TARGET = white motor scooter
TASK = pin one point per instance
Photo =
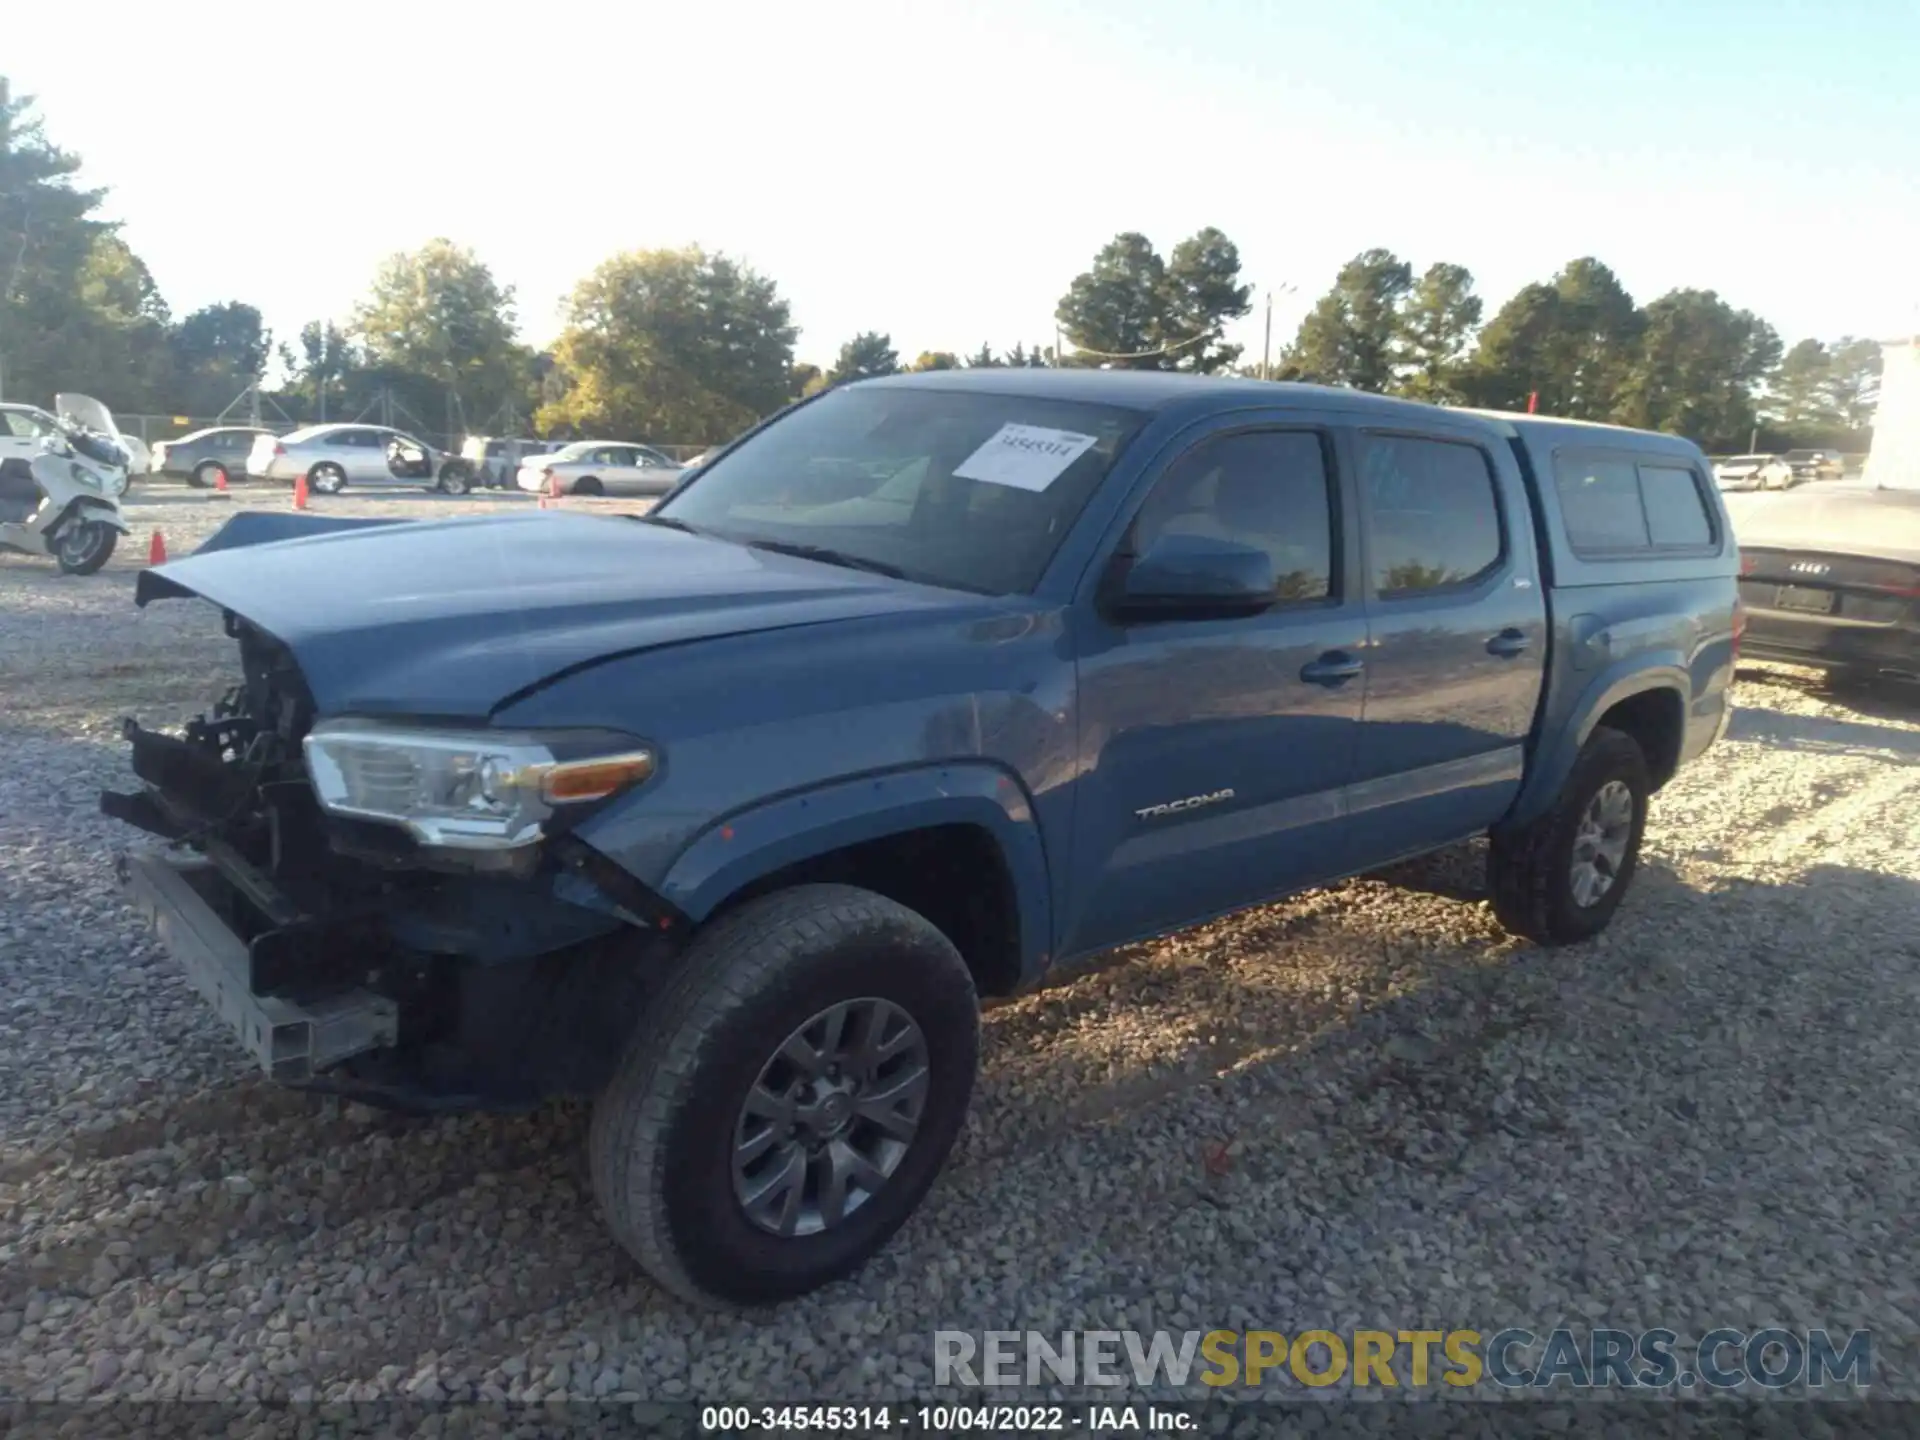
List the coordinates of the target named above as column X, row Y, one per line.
column 64, row 503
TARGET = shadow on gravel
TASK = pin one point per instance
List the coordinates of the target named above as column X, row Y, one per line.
column 1884, row 699
column 1825, row 735
column 1427, row 1060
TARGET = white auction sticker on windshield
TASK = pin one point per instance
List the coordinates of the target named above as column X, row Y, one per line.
column 1029, row 457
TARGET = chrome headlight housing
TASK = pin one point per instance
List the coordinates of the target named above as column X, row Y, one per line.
column 467, row 790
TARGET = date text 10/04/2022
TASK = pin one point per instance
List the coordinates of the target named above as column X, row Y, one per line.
column 947, row 1419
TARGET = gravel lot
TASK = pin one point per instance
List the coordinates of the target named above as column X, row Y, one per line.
column 1364, row 1107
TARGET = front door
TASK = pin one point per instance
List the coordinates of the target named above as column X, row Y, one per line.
column 1215, row 752
column 1458, row 640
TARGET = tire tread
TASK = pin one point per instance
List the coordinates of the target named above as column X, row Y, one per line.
column 744, row 954
column 1521, row 865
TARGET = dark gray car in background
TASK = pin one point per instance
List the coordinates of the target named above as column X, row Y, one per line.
column 202, row 457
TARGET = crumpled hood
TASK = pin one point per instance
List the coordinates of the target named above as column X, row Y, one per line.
column 450, row 618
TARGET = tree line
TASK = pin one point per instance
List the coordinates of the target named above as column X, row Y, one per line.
column 689, row 346
column 1576, row 345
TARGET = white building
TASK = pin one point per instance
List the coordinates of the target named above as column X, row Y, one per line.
column 1894, row 460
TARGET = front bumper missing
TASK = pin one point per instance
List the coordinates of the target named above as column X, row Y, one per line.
column 292, row 1041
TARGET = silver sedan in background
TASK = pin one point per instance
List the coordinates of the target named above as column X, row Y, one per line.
column 601, row 467
column 333, row 457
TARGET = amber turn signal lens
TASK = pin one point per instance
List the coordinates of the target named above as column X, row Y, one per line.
column 594, row 779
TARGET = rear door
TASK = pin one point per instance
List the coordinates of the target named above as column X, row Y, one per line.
column 622, row 473
column 1457, row 647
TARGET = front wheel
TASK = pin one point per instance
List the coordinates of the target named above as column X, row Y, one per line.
column 454, row 482
column 789, row 1097
column 1559, row 879
column 84, row 546
column 327, row 479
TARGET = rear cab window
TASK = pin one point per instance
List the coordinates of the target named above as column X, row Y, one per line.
column 1616, row 505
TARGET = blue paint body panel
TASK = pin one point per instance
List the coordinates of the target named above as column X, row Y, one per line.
column 1133, row 777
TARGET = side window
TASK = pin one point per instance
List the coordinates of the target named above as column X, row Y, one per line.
column 1267, row 488
column 1676, row 514
column 1433, row 516
column 1600, row 503
column 23, row 425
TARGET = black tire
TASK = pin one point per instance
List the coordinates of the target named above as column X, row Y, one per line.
column 1851, row 679
column 1530, row 868
column 326, row 479
column 93, row 547
column 454, row 481
column 208, row 474
column 589, row 486
column 663, row 1133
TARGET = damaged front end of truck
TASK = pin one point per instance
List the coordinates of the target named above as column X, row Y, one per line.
column 387, row 908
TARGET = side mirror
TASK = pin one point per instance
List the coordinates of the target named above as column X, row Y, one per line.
column 1196, row 575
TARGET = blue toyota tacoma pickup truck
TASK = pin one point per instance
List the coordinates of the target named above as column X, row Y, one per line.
column 727, row 815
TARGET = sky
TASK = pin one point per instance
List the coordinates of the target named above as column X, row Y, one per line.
column 941, row 169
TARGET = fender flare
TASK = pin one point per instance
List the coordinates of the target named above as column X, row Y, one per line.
column 737, row 849
column 1554, row 760
column 86, row 506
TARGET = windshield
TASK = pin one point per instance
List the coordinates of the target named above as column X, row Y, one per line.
column 949, row 487
column 87, row 411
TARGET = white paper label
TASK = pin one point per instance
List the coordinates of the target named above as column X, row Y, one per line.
column 1029, row 457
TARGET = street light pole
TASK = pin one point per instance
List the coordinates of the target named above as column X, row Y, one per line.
column 1266, row 342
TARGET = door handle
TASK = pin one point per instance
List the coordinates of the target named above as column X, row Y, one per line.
column 1507, row 643
column 1336, row 667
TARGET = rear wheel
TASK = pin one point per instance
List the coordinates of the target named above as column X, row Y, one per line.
column 589, row 486
column 789, row 1097
column 208, row 475
column 327, row 479
column 1559, row 879
column 1851, row 677
column 454, row 481
column 84, row 546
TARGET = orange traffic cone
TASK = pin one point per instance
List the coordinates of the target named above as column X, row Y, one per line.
column 157, row 549
column 220, row 481
column 299, row 492
column 551, row 499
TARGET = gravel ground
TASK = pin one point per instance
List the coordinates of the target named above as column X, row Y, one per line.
column 1364, row 1107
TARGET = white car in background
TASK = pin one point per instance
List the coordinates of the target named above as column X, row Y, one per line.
column 601, row 467
column 1753, row 472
